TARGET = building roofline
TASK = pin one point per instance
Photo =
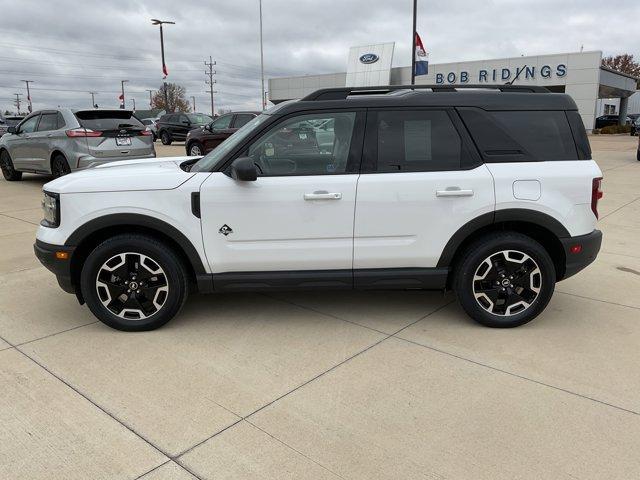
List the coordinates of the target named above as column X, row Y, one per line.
column 608, row 69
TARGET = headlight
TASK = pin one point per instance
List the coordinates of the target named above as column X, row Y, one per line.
column 51, row 210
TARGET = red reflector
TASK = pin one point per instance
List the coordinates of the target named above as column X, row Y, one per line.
column 575, row 248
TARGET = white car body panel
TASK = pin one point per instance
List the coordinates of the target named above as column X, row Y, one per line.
column 401, row 222
column 274, row 227
column 565, row 190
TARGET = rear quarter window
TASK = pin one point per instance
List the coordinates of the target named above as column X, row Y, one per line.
column 519, row 136
column 108, row 119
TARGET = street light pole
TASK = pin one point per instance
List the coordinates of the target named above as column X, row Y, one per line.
column 262, row 97
column 93, row 99
column 413, row 44
column 122, row 82
column 194, row 103
column 165, row 72
column 150, row 98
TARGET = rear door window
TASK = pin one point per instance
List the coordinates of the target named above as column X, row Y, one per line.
column 105, row 120
column 414, row 141
column 48, row 121
column 519, row 136
column 241, row 119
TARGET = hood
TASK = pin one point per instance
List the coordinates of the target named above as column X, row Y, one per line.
column 127, row 175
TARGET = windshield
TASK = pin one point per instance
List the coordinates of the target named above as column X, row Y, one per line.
column 206, row 163
column 199, row 118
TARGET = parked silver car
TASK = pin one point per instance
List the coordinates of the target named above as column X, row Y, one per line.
column 60, row 141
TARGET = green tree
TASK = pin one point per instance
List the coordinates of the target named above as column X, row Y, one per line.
column 623, row 63
column 176, row 98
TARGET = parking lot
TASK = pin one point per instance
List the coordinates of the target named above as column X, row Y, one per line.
column 352, row 385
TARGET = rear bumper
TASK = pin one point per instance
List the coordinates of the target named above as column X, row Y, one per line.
column 590, row 246
column 46, row 253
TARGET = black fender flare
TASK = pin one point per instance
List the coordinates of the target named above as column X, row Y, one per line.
column 499, row 216
column 139, row 220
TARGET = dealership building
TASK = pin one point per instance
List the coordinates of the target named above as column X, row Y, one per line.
column 577, row 74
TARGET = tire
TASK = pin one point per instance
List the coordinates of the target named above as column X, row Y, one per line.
column 525, row 273
column 59, row 166
column 8, row 171
column 110, row 270
column 165, row 138
column 195, row 149
column 638, row 155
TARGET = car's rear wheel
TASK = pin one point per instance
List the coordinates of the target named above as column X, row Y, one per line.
column 59, row 166
column 504, row 280
column 8, row 171
column 195, row 149
column 165, row 138
column 638, row 155
column 134, row 283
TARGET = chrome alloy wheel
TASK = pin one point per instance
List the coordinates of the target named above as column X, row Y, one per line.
column 132, row 286
column 507, row 282
column 195, row 150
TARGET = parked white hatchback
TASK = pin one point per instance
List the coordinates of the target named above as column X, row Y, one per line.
column 489, row 191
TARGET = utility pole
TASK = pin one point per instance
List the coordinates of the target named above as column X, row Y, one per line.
column 413, row 43
column 211, row 72
column 122, row 82
column 262, row 96
column 17, row 102
column 29, row 95
column 194, row 103
column 165, row 72
column 93, row 99
column 134, row 104
column 150, row 98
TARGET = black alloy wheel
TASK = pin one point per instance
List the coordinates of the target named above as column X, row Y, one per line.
column 59, row 166
column 8, row 171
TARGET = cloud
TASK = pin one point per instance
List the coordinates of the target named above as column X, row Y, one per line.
column 70, row 48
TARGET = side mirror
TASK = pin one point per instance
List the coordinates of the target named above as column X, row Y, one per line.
column 186, row 122
column 244, row 170
column 208, row 126
column 13, row 130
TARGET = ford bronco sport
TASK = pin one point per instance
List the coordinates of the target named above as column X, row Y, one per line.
column 489, row 191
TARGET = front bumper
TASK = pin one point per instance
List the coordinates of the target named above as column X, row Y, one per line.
column 590, row 246
column 61, row 267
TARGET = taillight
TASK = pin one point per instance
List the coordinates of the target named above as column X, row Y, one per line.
column 146, row 132
column 83, row 132
column 596, row 194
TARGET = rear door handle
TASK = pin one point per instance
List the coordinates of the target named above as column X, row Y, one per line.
column 322, row 195
column 454, row 192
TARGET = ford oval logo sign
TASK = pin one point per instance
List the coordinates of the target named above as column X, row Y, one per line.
column 369, row 58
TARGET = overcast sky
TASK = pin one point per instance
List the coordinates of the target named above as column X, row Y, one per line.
column 71, row 47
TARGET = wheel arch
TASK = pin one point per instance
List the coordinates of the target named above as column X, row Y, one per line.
column 543, row 228
column 54, row 153
column 85, row 238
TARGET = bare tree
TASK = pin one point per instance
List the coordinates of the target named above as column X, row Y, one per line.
column 623, row 63
column 176, row 99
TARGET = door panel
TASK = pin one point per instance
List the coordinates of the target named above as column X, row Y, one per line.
column 21, row 147
column 406, row 219
column 270, row 225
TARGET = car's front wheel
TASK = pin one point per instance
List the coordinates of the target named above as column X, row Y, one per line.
column 134, row 283
column 504, row 279
column 165, row 138
column 195, row 149
column 8, row 171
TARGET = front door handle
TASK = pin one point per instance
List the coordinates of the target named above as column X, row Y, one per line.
column 454, row 192
column 322, row 195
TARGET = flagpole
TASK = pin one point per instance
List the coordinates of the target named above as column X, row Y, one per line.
column 413, row 44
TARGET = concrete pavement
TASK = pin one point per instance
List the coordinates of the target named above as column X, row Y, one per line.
column 355, row 385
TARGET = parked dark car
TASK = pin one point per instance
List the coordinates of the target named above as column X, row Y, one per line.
column 635, row 123
column 10, row 121
column 607, row 120
column 176, row 126
column 202, row 140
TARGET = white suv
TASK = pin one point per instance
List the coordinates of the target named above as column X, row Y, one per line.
column 489, row 191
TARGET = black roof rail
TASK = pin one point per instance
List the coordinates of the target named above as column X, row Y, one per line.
column 341, row 93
